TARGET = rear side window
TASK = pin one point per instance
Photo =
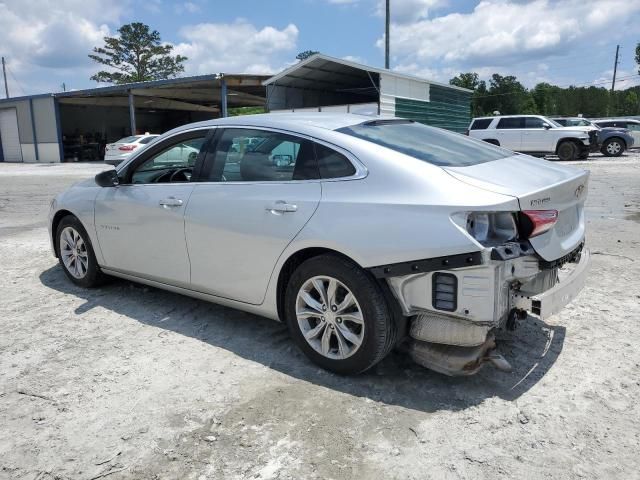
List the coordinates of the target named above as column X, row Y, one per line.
column 511, row 122
column 481, row 124
column 432, row 145
column 248, row 155
column 562, row 121
column 333, row 164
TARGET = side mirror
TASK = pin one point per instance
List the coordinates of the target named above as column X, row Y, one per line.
column 546, row 126
column 108, row 178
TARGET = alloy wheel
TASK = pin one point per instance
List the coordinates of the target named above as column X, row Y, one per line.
column 613, row 148
column 74, row 253
column 330, row 317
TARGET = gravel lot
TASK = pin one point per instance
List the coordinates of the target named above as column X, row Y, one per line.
column 132, row 382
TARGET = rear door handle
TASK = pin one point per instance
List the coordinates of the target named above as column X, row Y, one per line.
column 171, row 202
column 281, row 207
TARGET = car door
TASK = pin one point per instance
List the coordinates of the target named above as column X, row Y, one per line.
column 140, row 222
column 509, row 132
column 259, row 187
column 634, row 129
column 535, row 137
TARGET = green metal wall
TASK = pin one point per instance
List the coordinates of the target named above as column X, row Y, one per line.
column 448, row 108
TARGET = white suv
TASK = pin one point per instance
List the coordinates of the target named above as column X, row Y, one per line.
column 535, row 135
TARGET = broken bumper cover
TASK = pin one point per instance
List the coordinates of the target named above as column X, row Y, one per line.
column 551, row 301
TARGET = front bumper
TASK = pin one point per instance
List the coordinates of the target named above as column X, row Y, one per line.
column 551, row 301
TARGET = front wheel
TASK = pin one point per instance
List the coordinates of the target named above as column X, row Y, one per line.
column 567, row 151
column 75, row 253
column 612, row 147
column 338, row 315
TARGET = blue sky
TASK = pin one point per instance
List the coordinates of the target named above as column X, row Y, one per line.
column 46, row 42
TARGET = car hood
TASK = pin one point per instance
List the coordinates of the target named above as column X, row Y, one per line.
column 575, row 129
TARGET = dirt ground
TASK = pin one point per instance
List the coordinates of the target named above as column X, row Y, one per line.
column 131, row 382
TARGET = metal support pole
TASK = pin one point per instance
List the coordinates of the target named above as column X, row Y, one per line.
column 33, row 129
column 132, row 113
column 4, row 74
column 223, row 96
column 387, row 34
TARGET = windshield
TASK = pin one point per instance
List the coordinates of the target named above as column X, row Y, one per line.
column 578, row 122
column 432, row 145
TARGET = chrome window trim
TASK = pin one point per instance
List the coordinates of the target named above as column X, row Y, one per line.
column 131, row 158
column 361, row 170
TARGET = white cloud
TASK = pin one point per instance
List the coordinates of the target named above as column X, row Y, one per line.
column 407, row 11
column 499, row 31
column 237, row 47
column 45, row 38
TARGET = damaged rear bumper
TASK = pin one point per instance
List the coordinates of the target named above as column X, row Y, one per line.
column 486, row 296
column 551, row 301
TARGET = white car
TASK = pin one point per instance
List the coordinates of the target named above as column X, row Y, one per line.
column 536, row 135
column 116, row 152
column 359, row 232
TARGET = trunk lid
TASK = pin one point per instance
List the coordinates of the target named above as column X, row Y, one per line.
column 538, row 185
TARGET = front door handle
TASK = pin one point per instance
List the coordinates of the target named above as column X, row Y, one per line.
column 281, row 206
column 171, row 202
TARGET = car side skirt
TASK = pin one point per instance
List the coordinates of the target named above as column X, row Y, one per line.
column 246, row 307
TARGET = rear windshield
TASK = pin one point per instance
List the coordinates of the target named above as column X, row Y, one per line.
column 128, row 139
column 432, row 145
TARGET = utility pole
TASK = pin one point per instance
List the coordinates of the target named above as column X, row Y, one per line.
column 615, row 69
column 4, row 74
column 64, row 87
column 386, row 34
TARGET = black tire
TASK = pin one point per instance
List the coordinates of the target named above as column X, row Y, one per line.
column 613, row 147
column 380, row 330
column 93, row 276
column 583, row 155
column 567, row 150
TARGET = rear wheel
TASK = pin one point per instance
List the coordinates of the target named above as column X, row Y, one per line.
column 612, row 147
column 75, row 253
column 567, row 151
column 338, row 315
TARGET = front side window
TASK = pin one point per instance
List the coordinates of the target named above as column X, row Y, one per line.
column 172, row 164
column 249, row 155
column 429, row 144
column 510, row 122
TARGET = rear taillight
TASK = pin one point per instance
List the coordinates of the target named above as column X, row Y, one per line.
column 127, row 148
column 541, row 221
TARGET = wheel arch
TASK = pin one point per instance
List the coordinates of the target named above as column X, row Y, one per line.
column 616, row 137
column 290, row 265
column 57, row 218
column 300, row 256
column 576, row 141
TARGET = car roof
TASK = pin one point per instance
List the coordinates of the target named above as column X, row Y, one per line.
column 506, row 116
column 617, row 120
column 296, row 121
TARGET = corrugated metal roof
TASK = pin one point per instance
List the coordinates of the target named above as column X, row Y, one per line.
column 337, row 72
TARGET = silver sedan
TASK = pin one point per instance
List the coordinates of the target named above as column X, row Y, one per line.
column 361, row 233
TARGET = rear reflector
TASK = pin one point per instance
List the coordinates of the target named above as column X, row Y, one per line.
column 444, row 292
column 127, row 148
column 541, row 220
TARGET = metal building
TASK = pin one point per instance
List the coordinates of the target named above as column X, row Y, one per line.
column 323, row 83
column 77, row 125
